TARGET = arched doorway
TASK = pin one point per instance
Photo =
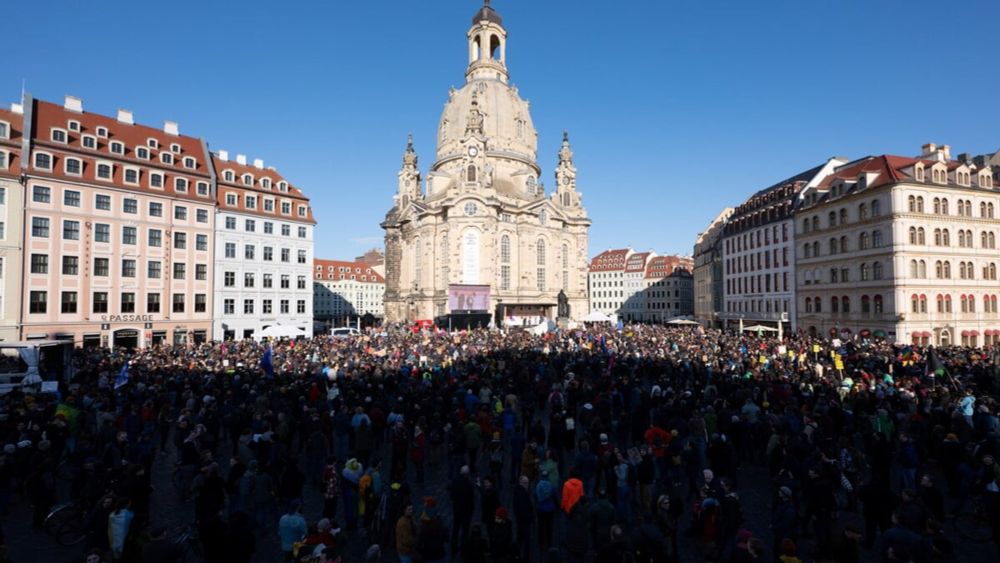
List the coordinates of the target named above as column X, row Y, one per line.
column 126, row 338
column 944, row 338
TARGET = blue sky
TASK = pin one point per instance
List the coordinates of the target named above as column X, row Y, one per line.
column 675, row 108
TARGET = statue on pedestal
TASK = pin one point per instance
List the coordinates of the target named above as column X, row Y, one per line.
column 563, row 307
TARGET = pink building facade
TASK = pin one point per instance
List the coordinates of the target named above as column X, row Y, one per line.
column 119, row 230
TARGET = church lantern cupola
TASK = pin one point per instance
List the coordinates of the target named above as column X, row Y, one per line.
column 487, row 46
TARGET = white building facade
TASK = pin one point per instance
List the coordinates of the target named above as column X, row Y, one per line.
column 708, row 271
column 264, row 251
column 345, row 291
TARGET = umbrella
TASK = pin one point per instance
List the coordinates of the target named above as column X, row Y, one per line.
column 597, row 317
column 759, row 328
column 682, row 322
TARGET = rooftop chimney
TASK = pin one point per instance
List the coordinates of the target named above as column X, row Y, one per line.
column 72, row 103
column 241, row 159
column 258, row 163
column 125, row 116
column 946, row 152
column 171, row 128
column 224, row 155
column 928, row 149
column 17, row 108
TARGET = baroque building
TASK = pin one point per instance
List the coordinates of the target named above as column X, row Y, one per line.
column 482, row 217
column 707, row 273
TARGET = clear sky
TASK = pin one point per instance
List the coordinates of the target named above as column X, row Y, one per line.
column 675, row 108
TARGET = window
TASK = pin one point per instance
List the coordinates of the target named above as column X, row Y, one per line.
column 269, row 205
column 41, row 194
column 131, row 176
column 180, row 270
column 876, row 208
column 201, row 242
column 74, row 167
column 285, row 280
column 302, row 257
column 104, row 171
column 266, row 307
column 178, row 301
column 180, row 240
column 117, row 148
column 286, row 230
column 248, row 306
column 155, row 209
column 251, row 202
column 100, row 302
column 102, row 132
column 249, row 252
column 40, row 227
column 70, row 265
column 201, row 216
column 248, row 179
column 43, row 161
column 203, row 188
column 268, row 254
column 248, row 279
column 250, row 225
column 71, row 230
column 286, row 208
column 142, row 152
column 38, row 302
column 230, row 250
column 302, row 232
column 201, row 272
column 130, row 206
column 154, row 270
column 129, row 235
column 152, row 302
column 180, row 184
column 229, row 279
column 302, row 213
column 283, row 306
column 128, row 268
column 103, row 202
column 876, row 239
column 231, row 223
column 156, row 180
column 300, row 306
column 128, row 302
column 4, row 130
column 228, row 306
column 180, row 213
column 268, row 281
column 155, row 237
column 166, row 158
column 232, row 200
column 39, row 263
column 71, row 198
column 101, row 267
column 302, row 282
column 286, row 255
column 189, row 163
column 200, row 302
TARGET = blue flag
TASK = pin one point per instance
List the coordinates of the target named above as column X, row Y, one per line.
column 267, row 364
column 122, row 378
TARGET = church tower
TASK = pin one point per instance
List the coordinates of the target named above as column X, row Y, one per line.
column 481, row 224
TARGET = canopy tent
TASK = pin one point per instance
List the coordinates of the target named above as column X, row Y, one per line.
column 682, row 322
column 759, row 328
column 596, row 317
column 281, row 331
column 543, row 327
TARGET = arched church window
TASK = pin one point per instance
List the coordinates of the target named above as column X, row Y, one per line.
column 505, row 249
column 531, row 185
column 470, row 174
column 540, row 251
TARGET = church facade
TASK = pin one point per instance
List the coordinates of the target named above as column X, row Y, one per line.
column 481, row 222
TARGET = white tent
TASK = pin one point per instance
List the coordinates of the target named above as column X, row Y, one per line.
column 543, row 327
column 682, row 322
column 281, row 331
column 760, row 328
column 596, row 317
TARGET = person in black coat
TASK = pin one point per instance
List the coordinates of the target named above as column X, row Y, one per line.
column 502, row 548
column 463, row 501
column 524, row 515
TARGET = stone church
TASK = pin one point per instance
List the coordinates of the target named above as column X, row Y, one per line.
column 481, row 219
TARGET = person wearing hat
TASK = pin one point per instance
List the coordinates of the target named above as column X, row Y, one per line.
column 502, row 547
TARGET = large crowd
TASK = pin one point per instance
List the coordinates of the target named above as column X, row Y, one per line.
column 602, row 444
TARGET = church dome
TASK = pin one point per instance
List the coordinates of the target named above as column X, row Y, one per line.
column 507, row 125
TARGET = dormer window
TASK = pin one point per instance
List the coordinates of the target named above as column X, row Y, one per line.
column 190, row 163
column 153, row 143
column 265, row 183
column 117, row 148
column 175, row 148
column 104, row 171
column 102, row 132
column 918, row 172
column 89, row 142
column 59, row 135
column 43, row 161
column 283, row 186
column 4, row 130
column 156, row 180
column 73, row 125
column 203, row 188
column 248, row 179
column 302, row 211
column 74, row 167
column 227, row 175
column 181, row 184
column 166, row 158
column 142, row 152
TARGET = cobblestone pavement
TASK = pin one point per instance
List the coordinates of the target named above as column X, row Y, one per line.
column 27, row 545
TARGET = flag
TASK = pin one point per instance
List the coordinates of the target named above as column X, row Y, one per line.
column 604, row 345
column 934, row 366
column 122, row 378
column 267, row 364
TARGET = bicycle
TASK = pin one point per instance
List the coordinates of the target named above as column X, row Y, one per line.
column 973, row 523
column 67, row 523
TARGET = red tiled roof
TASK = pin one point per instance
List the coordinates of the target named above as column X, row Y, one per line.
column 294, row 194
column 636, row 262
column 609, row 260
column 891, row 169
column 322, row 271
column 663, row 266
